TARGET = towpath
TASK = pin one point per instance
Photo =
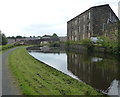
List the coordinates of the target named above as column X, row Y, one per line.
column 8, row 84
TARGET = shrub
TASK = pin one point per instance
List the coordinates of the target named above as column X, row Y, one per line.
column 4, row 39
column 108, row 43
column 4, row 47
column 54, row 44
column 72, row 42
column 88, row 43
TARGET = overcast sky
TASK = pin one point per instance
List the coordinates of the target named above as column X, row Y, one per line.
column 40, row 17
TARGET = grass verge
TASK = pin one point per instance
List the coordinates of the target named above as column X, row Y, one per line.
column 36, row 78
column 4, row 48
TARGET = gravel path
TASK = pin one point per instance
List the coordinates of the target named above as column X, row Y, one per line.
column 9, row 86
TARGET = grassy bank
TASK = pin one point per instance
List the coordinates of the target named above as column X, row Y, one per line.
column 36, row 78
column 4, row 48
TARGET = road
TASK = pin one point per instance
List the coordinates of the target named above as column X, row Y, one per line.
column 7, row 83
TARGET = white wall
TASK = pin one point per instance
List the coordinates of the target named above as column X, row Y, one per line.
column 119, row 10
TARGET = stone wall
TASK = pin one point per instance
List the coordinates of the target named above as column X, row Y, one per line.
column 102, row 16
column 76, row 47
column 80, row 27
column 83, row 48
column 111, row 31
column 91, row 23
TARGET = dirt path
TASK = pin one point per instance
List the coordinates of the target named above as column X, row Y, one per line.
column 8, row 82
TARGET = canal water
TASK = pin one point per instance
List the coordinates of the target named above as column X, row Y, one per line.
column 98, row 70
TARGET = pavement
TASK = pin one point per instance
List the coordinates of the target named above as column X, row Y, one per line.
column 8, row 84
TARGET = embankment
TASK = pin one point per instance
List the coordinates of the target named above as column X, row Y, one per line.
column 37, row 78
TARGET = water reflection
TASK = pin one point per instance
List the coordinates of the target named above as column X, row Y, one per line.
column 96, row 71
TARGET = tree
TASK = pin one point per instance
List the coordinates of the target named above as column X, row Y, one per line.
column 39, row 37
column 13, row 37
column 18, row 36
column 33, row 36
column 4, row 39
column 54, row 35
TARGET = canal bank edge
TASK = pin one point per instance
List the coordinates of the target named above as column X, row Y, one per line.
column 79, row 48
column 84, row 48
column 36, row 78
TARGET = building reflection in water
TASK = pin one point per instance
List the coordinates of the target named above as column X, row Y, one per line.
column 119, row 88
column 97, row 71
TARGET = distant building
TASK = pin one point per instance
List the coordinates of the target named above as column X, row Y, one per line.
column 119, row 10
column 63, row 39
column 11, row 41
column 95, row 21
column 27, row 40
column 48, row 39
column 32, row 40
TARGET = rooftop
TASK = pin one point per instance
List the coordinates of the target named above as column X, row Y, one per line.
column 94, row 7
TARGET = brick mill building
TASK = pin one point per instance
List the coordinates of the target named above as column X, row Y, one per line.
column 94, row 22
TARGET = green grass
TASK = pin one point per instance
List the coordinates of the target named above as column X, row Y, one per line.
column 4, row 48
column 36, row 78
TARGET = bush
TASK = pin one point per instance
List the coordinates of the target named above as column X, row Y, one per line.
column 108, row 43
column 104, row 41
column 4, row 39
column 54, row 44
column 88, row 43
column 6, row 47
column 72, row 42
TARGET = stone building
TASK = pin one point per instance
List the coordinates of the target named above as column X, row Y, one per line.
column 91, row 23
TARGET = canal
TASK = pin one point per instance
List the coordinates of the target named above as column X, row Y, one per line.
column 100, row 71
